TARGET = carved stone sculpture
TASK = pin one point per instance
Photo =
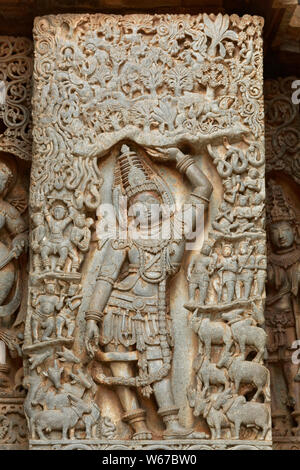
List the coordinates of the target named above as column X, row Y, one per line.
column 148, row 138
column 15, row 147
column 282, row 306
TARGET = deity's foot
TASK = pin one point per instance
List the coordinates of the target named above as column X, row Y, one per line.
column 176, row 431
column 46, row 338
column 142, row 435
column 136, row 419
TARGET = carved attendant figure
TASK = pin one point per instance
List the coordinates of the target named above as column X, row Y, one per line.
column 80, row 237
column 246, row 267
column 227, row 271
column 199, row 272
column 12, row 222
column 37, row 236
column 46, row 306
column 130, row 304
column 57, row 242
column 283, row 308
column 261, row 267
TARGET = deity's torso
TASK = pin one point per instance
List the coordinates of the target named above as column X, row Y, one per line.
column 147, row 267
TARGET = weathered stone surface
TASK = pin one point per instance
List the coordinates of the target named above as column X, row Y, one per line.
column 149, row 110
column 15, row 95
column 15, row 149
column 282, row 306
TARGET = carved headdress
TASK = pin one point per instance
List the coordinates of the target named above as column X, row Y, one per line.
column 134, row 175
column 279, row 207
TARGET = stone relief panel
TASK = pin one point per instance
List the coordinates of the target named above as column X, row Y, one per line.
column 15, row 96
column 282, row 304
column 282, row 128
column 15, row 153
column 135, row 333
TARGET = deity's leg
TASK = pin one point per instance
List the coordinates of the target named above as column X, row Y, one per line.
column 71, row 328
column 60, row 321
column 260, row 284
column 192, row 291
column 230, row 290
column 35, row 326
column 63, row 253
column 45, row 252
column 49, row 324
column 167, row 408
column 134, row 415
column 36, row 262
column 248, row 281
column 75, row 259
column 203, row 287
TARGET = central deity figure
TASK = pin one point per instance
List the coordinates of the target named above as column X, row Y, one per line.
column 129, row 309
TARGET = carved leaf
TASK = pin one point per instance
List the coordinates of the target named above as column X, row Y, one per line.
column 165, row 113
column 218, row 31
column 180, row 78
column 153, row 78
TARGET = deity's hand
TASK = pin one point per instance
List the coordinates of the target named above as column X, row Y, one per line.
column 174, row 154
column 91, row 336
column 35, row 247
column 19, row 245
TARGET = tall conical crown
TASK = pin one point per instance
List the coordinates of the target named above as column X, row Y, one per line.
column 278, row 206
column 133, row 175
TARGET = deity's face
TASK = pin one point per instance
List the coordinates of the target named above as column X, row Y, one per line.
column 80, row 221
column 227, row 251
column 90, row 48
column 37, row 219
column 227, row 185
column 68, row 53
column 59, row 212
column 243, row 248
column 205, row 250
column 50, row 288
column 253, row 173
column 72, row 289
column 3, row 181
column 146, row 207
column 282, row 235
column 243, row 201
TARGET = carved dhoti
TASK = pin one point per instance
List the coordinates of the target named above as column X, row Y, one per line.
column 134, row 329
column 278, row 323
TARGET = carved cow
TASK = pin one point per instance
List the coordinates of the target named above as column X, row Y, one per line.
column 211, row 332
column 246, row 334
column 249, row 372
column 210, row 409
column 60, row 420
column 89, row 421
column 208, row 374
column 249, row 414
